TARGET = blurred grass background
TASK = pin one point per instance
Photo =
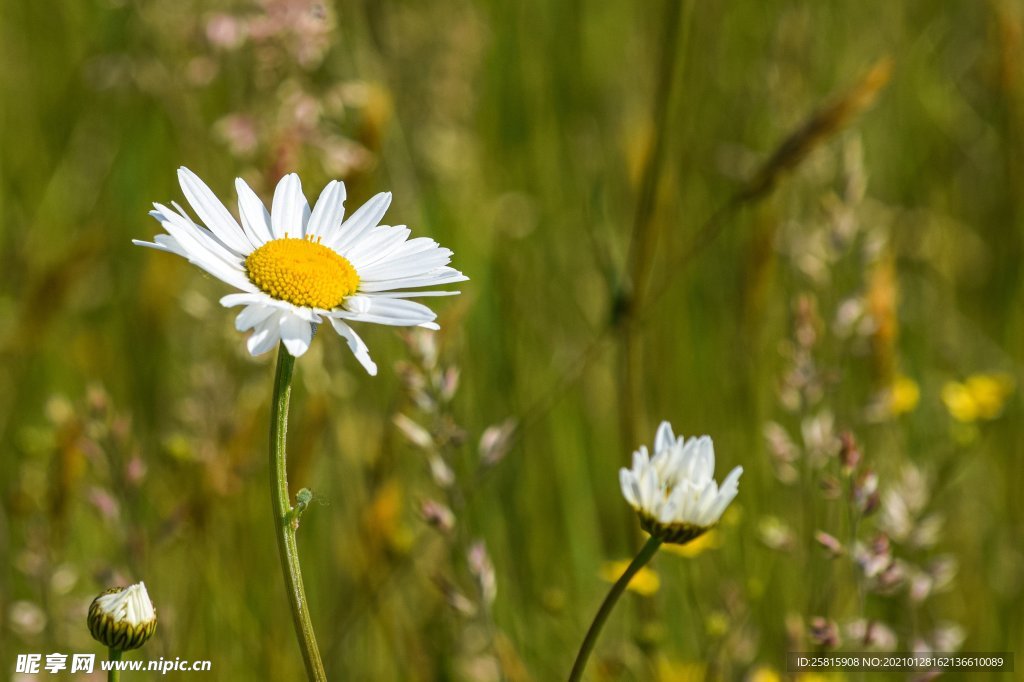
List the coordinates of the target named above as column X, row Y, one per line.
column 857, row 294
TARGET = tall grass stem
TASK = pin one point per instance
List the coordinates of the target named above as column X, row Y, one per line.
column 644, row 235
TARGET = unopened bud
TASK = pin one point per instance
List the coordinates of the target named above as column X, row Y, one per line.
column 122, row 618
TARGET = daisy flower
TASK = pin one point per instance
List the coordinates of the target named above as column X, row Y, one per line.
column 295, row 268
column 674, row 492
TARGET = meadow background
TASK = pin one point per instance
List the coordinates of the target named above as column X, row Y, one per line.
column 793, row 226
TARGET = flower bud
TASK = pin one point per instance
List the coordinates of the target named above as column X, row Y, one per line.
column 122, row 618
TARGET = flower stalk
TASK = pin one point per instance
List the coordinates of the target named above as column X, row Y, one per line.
column 285, row 518
column 114, row 675
column 645, row 554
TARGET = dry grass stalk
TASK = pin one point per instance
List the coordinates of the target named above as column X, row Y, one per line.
column 820, row 127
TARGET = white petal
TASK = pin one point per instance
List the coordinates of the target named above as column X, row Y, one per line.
column 414, row 294
column 296, row 334
column 664, row 439
column 260, row 298
column 436, row 277
column 328, row 211
column 265, row 336
column 356, row 344
column 726, row 494
column 366, row 218
column 649, row 491
column 231, row 300
column 380, row 243
column 200, row 254
column 194, row 234
column 670, row 510
column 289, row 212
column 409, row 265
column 170, row 246
column 702, row 511
column 687, row 500
column 640, row 459
column 212, row 212
column 733, row 479
column 688, row 460
column 629, row 488
column 675, row 471
column 390, row 311
column 166, row 241
column 255, row 217
column 253, row 315
column 705, row 464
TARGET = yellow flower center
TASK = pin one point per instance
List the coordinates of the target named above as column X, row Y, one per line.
column 302, row 272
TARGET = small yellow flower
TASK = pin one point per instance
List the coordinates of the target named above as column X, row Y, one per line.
column 645, row 583
column 675, row 670
column 959, row 402
column 717, row 623
column 990, row 392
column 981, row 396
column 383, row 516
column 764, row 673
column 710, row 540
column 904, row 394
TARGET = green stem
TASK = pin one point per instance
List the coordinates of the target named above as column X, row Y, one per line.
column 284, row 522
column 114, row 675
column 641, row 559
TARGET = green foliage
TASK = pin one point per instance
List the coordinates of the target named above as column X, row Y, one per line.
column 133, row 423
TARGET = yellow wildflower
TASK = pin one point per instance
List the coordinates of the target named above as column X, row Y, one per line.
column 383, row 516
column 675, row 670
column 717, row 623
column 710, row 540
column 904, row 395
column 990, row 392
column 645, row 583
column 981, row 396
column 764, row 673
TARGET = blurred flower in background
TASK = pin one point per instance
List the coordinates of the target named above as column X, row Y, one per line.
column 980, row 397
column 645, row 582
column 504, row 129
column 904, row 395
